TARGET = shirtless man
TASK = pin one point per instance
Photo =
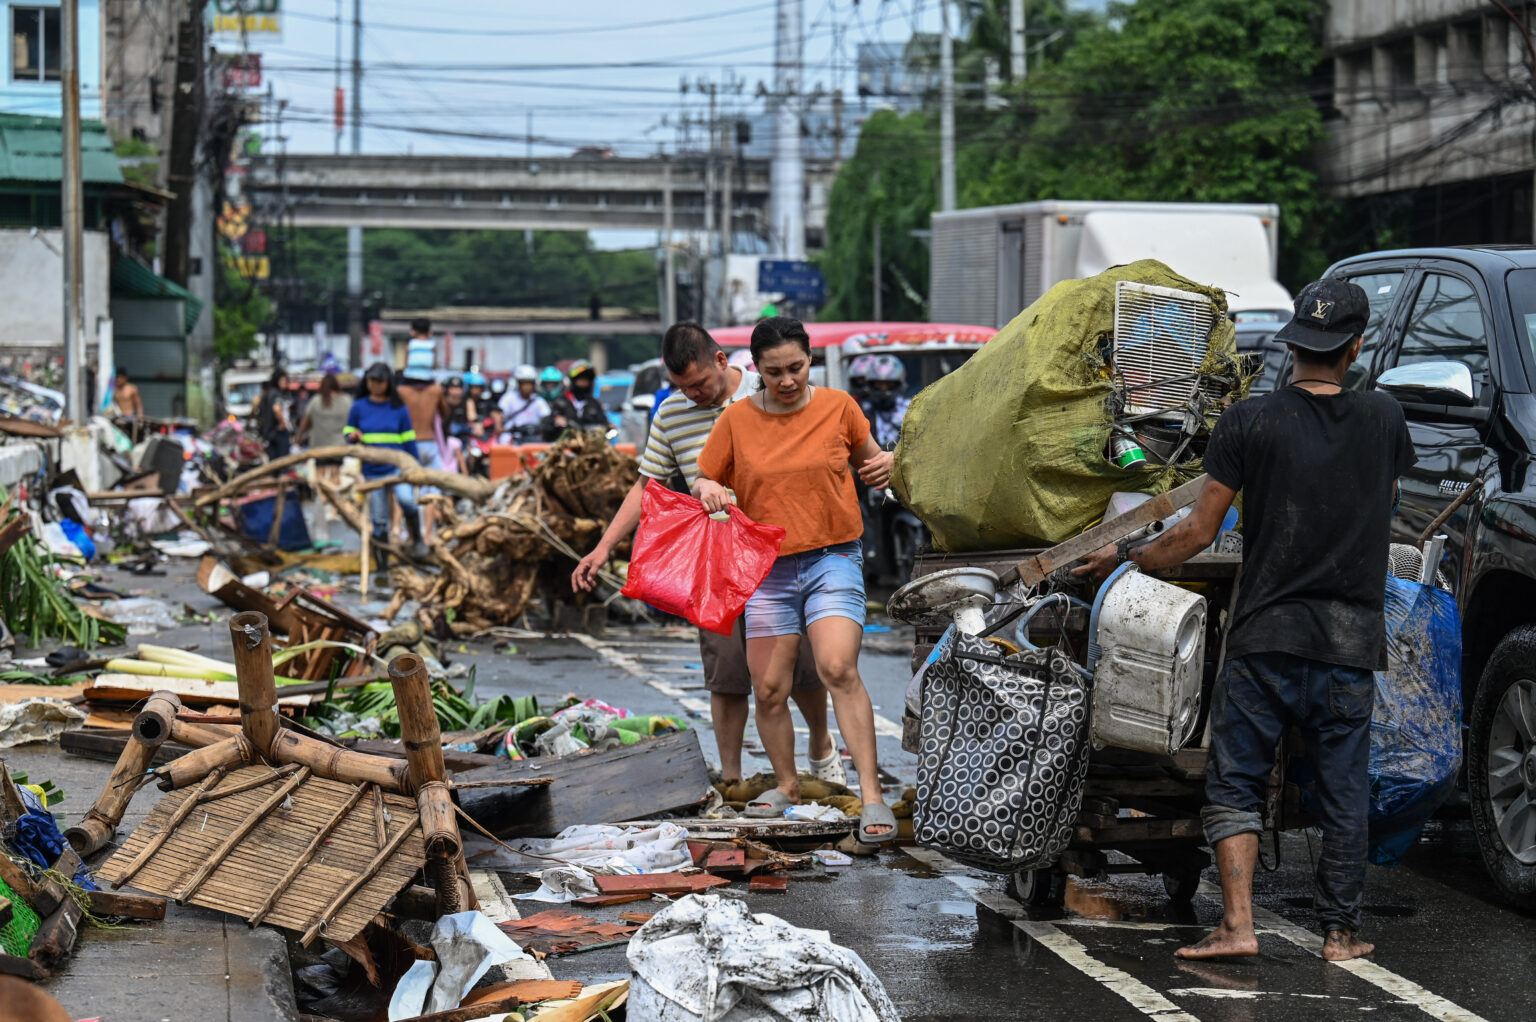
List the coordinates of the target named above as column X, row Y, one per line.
column 129, row 402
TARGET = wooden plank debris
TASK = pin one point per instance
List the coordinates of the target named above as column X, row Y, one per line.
column 660, row 775
column 648, row 883
column 769, row 884
column 181, row 834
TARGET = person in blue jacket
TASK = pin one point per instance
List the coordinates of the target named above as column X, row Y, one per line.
column 380, row 419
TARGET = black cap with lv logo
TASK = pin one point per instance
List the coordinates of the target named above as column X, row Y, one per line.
column 1329, row 313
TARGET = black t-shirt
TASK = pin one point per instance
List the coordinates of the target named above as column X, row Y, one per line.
column 1317, row 473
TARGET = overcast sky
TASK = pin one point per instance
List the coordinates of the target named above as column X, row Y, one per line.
column 462, row 76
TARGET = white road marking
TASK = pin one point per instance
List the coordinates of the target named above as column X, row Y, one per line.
column 887, row 727
column 498, row 907
column 1221, row 993
column 1405, row 990
column 1130, row 989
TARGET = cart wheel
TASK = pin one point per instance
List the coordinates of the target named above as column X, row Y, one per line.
column 1181, row 883
column 1037, row 888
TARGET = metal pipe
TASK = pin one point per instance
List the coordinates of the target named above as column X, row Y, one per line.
column 355, row 233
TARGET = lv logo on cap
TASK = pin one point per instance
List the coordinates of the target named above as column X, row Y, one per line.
column 1322, row 310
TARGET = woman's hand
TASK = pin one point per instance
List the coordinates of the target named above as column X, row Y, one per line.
column 876, row 471
column 714, row 496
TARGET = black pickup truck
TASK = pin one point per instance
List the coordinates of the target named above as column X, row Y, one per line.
column 1452, row 335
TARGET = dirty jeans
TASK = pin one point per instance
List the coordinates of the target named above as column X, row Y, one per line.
column 1257, row 697
column 378, row 506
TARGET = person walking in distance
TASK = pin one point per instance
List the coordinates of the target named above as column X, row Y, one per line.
column 1309, row 626
column 324, row 419
column 378, row 418
column 423, row 397
column 786, row 452
column 705, row 385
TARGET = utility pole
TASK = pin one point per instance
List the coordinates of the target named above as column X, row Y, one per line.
column 355, row 233
column 726, row 226
column 946, row 114
column 181, row 171
column 1016, row 49
column 338, row 99
column 787, row 172
column 669, row 275
column 73, row 203
column 709, row 205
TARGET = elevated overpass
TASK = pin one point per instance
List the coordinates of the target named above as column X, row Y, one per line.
column 516, row 193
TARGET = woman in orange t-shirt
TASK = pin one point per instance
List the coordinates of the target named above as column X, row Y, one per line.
column 786, row 453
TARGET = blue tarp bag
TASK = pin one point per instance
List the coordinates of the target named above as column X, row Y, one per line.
column 1416, row 725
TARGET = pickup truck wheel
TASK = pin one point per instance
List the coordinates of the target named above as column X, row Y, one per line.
column 1501, row 766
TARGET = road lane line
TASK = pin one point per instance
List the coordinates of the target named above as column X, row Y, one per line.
column 1130, row 989
column 1405, row 990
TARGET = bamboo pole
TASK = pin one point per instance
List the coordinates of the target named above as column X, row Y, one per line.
column 182, row 812
column 365, row 559
column 252, row 643
column 219, row 854
column 423, row 741
column 358, row 881
column 199, row 736
column 232, row 752
column 150, row 728
column 309, row 852
column 153, row 724
column 338, row 764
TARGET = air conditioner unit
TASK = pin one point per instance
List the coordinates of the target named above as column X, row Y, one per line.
column 1161, row 339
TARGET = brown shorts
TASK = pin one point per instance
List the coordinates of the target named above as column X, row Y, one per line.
column 725, row 663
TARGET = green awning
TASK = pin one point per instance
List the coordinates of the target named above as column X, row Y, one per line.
column 130, row 277
column 31, row 149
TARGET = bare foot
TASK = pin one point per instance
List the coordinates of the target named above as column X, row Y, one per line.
column 1223, row 942
column 1343, row 945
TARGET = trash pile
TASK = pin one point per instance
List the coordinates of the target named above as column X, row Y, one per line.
column 497, row 562
column 1104, row 384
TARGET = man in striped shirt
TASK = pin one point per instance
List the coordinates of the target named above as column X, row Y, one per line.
column 703, row 384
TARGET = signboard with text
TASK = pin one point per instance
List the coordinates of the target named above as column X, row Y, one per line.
column 233, row 23
column 797, row 281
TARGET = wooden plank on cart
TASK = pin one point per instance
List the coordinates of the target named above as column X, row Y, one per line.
column 1033, row 570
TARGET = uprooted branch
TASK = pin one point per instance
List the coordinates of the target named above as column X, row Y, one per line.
column 472, row 487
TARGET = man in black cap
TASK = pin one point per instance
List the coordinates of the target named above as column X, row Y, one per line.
column 1318, row 467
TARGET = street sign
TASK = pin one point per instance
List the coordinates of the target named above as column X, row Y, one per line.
column 796, row 281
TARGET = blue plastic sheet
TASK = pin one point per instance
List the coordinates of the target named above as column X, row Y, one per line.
column 37, row 837
column 1416, row 726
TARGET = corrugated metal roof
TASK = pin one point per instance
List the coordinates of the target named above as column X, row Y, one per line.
column 134, row 278
column 31, row 149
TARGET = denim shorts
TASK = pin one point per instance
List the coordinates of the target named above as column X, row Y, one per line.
column 803, row 588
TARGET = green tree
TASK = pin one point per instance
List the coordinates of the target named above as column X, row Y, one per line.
column 1177, row 101
column 889, row 182
column 240, row 312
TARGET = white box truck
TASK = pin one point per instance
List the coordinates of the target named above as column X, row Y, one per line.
column 991, row 262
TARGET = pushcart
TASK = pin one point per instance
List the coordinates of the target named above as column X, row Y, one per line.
column 1144, row 806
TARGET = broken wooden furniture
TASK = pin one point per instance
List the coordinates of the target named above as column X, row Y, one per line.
column 151, row 728
column 289, row 828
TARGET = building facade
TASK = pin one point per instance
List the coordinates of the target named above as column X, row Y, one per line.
column 140, row 71
column 1433, row 119
column 33, row 60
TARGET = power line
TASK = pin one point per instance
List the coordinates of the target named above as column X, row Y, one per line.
column 520, row 32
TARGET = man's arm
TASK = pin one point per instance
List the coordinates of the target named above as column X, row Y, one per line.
column 624, row 522
column 1197, row 531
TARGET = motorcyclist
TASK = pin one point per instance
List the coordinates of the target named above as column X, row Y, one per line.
column 858, row 378
column 474, row 400
column 523, row 410
column 886, row 405
column 551, row 384
column 579, row 407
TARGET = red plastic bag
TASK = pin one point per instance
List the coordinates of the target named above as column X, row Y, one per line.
column 687, row 563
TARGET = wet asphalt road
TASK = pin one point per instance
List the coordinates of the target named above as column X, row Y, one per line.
column 949, row 945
